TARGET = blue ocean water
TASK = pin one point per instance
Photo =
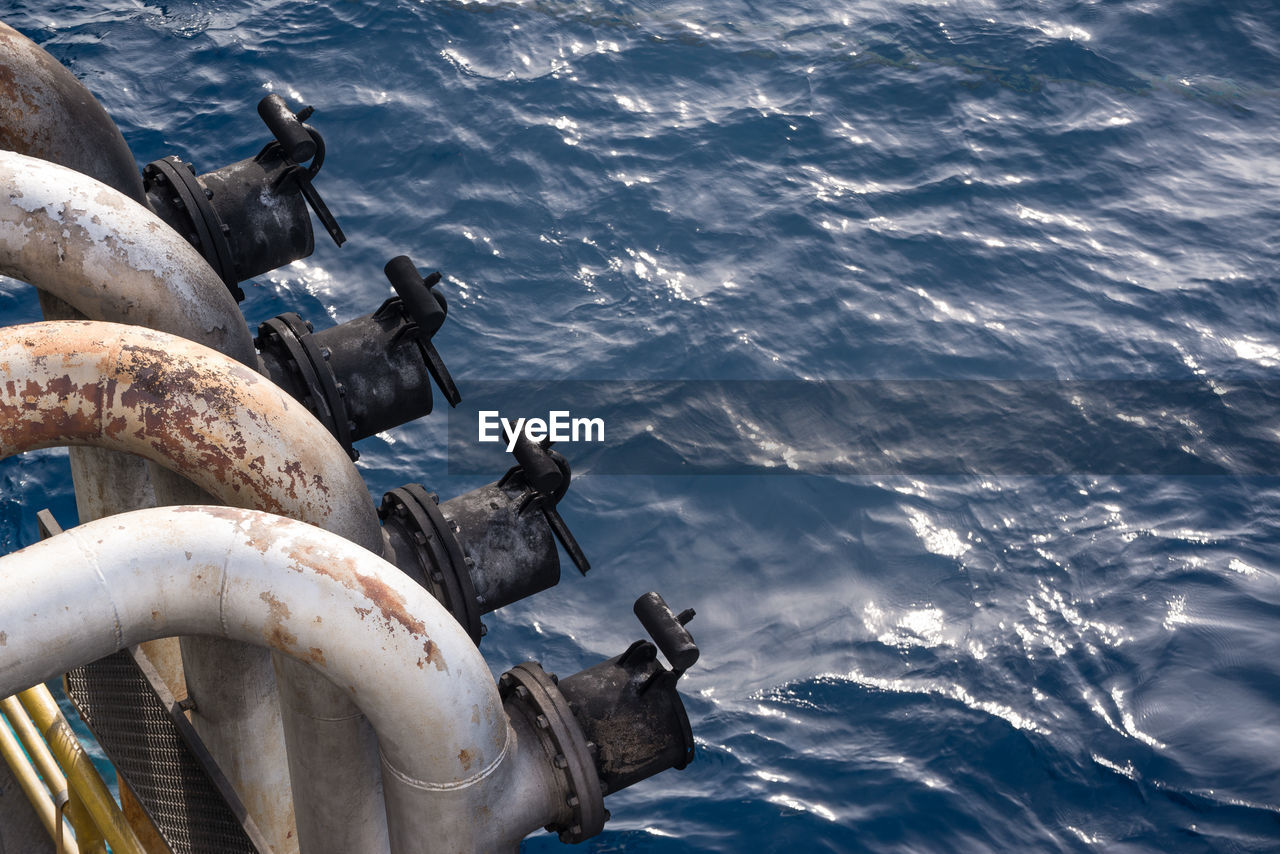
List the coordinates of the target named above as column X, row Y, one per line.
column 730, row 190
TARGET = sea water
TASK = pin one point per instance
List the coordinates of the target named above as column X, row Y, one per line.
column 958, row 639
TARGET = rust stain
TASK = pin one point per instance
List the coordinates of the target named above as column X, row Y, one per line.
column 4, row 639
column 346, row 572
column 316, row 656
column 465, row 757
column 35, row 415
column 275, row 634
column 155, row 616
column 433, row 655
column 390, row 603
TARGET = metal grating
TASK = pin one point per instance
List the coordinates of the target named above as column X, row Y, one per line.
column 142, row 738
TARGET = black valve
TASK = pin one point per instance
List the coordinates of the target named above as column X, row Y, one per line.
column 545, row 475
column 612, row 725
column 486, row 548
column 249, row 217
column 629, row 705
column 366, row 375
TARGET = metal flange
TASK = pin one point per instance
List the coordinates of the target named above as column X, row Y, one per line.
column 191, row 198
column 325, row 396
column 528, row 686
column 441, row 554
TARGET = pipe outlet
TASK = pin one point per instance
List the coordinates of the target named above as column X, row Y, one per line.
column 489, row 547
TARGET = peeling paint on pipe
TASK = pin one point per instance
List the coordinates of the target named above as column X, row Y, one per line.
column 244, row 441
column 450, row 750
column 189, row 408
column 110, row 258
column 79, row 243
column 91, row 251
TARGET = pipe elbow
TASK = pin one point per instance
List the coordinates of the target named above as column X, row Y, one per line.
column 112, row 259
column 273, row 582
column 49, row 114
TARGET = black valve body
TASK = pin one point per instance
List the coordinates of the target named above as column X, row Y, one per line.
column 386, row 379
column 629, row 708
column 268, row 224
column 512, row 550
column 365, row 372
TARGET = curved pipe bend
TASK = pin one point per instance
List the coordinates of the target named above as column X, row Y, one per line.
column 109, row 257
column 243, row 440
column 191, row 409
column 266, row 580
column 309, row 594
column 49, row 114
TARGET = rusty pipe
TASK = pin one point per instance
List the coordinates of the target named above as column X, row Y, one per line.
column 100, row 254
column 238, row 437
column 110, row 258
column 49, row 114
column 448, row 746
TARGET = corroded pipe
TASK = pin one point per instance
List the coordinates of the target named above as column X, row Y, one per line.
column 238, row 437
column 51, row 115
column 110, row 258
column 107, row 257
column 79, row 243
column 450, row 751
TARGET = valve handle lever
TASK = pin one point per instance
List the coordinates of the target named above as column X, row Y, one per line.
column 547, row 473
column 571, row 547
column 668, row 631
column 427, row 309
column 287, row 128
column 299, row 142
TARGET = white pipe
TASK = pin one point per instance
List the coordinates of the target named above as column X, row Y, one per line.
column 100, row 254
column 243, row 440
column 83, row 244
column 382, row 640
column 110, row 258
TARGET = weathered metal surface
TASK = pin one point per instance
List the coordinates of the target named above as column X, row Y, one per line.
column 513, row 554
column 262, row 579
column 46, row 112
column 193, row 410
column 241, row 439
column 111, row 258
column 237, row 711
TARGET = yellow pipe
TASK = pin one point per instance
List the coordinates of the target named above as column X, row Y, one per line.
column 34, row 744
column 22, row 769
column 84, row 778
column 88, row 837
